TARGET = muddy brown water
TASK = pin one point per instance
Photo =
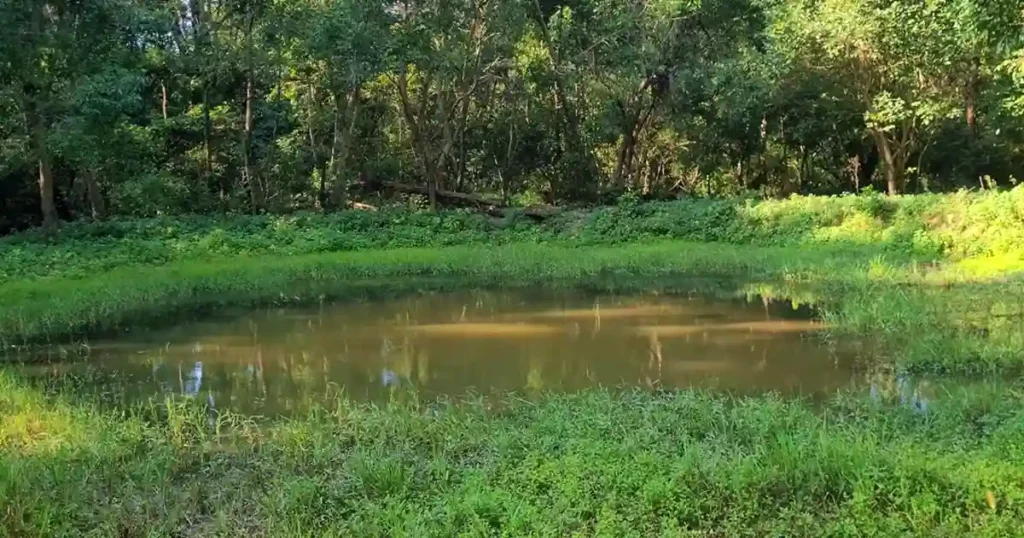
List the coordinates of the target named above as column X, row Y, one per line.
column 273, row 362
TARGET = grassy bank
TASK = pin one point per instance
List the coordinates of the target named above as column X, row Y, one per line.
column 591, row 464
column 928, row 226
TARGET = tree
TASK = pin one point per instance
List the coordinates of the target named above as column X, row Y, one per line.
column 61, row 45
column 898, row 58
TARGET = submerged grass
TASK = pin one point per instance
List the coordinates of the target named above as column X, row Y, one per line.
column 592, row 464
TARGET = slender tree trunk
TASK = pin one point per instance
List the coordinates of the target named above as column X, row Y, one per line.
column 447, row 145
column 49, row 208
column 46, row 190
column 971, row 96
column 318, row 168
column 572, row 139
column 201, row 35
column 248, row 176
column 247, row 173
column 207, row 133
column 37, row 133
column 163, row 98
column 420, row 147
column 95, row 195
column 801, row 178
column 620, row 173
column 895, row 166
column 632, row 130
column 343, row 144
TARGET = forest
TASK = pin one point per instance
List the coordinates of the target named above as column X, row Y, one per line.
column 163, row 107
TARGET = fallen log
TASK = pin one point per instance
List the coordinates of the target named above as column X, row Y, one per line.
column 452, row 198
column 491, row 207
column 361, row 206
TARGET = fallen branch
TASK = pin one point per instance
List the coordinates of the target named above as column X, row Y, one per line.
column 361, row 206
column 454, row 198
column 458, row 199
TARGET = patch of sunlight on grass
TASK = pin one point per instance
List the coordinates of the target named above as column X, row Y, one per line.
column 858, row 228
column 881, row 270
column 38, row 431
column 991, row 266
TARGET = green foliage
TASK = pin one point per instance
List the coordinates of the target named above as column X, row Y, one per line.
column 931, row 226
column 591, row 464
column 279, row 106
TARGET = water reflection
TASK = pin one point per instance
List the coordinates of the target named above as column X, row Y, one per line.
column 902, row 389
column 194, row 380
column 271, row 362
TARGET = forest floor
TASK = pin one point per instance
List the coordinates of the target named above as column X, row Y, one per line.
column 935, row 281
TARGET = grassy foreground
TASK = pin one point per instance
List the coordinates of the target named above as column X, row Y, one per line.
column 592, row 464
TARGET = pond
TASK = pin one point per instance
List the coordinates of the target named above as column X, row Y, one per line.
column 273, row 362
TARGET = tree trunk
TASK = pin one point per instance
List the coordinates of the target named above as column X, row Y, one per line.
column 895, row 164
column 49, row 208
column 37, row 133
column 207, row 133
column 971, row 96
column 247, row 174
column 248, row 178
column 318, row 168
column 46, row 195
column 571, row 136
column 621, row 162
column 95, row 195
column 420, row 147
column 163, row 98
column 202, row 36
column 343, row 144
column 446, row 159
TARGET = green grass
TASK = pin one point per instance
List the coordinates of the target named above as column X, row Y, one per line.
column 928, row 226
column 592, row 464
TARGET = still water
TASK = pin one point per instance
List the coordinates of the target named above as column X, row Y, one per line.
column 273, row 362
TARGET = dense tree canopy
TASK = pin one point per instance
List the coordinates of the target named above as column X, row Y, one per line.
column 142, row 107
